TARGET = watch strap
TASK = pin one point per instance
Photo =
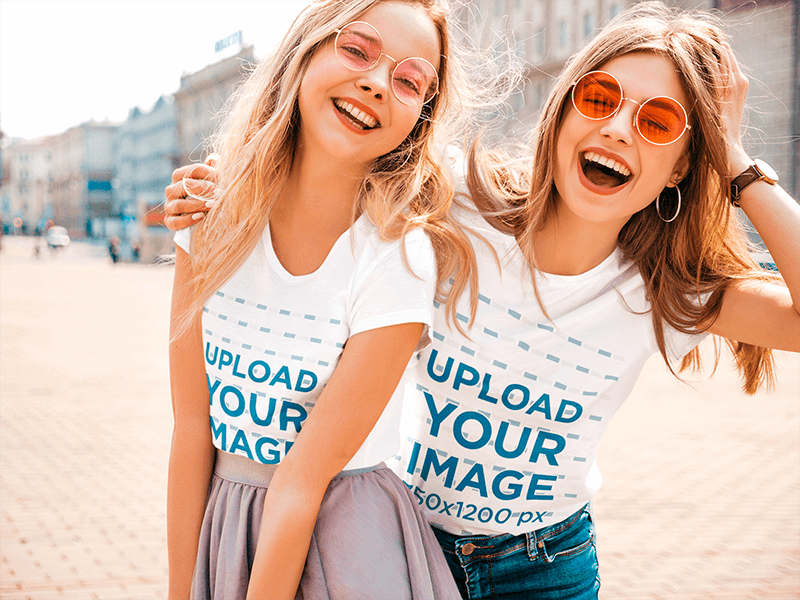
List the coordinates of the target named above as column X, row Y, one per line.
column 758, row 171
column 740, row 182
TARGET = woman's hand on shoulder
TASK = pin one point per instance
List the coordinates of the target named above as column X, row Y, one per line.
column 191, row 194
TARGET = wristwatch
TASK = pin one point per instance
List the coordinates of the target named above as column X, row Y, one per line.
column 758, row 171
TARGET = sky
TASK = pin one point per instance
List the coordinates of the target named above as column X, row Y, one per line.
column 64, row 62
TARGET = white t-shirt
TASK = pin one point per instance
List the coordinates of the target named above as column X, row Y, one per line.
column 501, row 432
column 272, row 340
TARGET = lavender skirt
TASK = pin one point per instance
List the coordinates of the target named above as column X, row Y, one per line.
column 371, row 540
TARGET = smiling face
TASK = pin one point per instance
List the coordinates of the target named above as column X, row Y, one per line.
column 605, row 171
column 354, row 115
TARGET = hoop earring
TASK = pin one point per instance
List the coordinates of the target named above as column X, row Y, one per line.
column 678, row 210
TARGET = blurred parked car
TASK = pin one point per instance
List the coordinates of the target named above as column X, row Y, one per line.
column 57, row 237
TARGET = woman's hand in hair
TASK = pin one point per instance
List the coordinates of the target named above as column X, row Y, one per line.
column 181, row 209
column 733, row 103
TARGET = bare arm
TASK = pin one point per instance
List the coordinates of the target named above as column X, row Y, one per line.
column 754, row 312
column 368, row 372
column 191, row 457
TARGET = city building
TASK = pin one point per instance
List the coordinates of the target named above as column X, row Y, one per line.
column 147, row 154
column 101, row 179
column 82, row 166
column 766, row 38
column 544, row 34
column 5, row 202
column 200, row 98
column 26, row 191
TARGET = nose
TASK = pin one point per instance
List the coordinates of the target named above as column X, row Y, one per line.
column 378, row 80
column 620, row 126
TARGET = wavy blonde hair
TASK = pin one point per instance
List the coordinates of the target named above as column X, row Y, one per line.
column 705, row 248
column 406, row 188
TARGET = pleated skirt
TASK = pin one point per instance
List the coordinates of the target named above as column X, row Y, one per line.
column 371, row 540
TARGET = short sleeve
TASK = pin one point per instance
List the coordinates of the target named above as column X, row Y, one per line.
column 385, row 292
column 183, row 239
column 679, row 344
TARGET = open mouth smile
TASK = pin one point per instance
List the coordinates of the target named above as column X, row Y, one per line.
column 357, row 117
column 603, row 172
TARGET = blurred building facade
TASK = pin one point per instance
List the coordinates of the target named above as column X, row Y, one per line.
column 82, row 169
column 766, row 38
column 108, row 179
column 96, row 178
column 201, row 96
column 545, row 33
column 147, row 155
column 27, row 189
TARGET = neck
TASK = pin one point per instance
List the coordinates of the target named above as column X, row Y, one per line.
column 568, row 245
column 320, row 190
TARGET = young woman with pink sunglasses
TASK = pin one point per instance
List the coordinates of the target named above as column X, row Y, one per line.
column 297, row 306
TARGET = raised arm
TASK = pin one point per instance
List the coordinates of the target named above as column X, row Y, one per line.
column 754, row 312
column 191, row 457
column 369, row 370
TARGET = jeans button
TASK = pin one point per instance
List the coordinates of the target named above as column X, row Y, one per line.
column 467, row 549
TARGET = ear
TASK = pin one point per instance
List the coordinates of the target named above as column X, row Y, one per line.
column 680, row 170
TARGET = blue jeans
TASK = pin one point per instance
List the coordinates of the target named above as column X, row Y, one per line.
column 553, row 563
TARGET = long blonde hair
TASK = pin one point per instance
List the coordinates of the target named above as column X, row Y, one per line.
column 686, row 264
column 408, row 187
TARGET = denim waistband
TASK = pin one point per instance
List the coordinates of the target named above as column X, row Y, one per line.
column 243, row 470
column 532, row 537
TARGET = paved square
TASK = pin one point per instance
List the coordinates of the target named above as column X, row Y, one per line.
column 702, row 483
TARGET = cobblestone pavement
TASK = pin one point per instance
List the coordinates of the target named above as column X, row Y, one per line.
column 702, row 484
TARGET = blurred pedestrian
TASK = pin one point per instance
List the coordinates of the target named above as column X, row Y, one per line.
column 38, row 243
column 114, row 249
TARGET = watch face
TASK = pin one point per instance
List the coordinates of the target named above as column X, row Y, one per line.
column 767, row 171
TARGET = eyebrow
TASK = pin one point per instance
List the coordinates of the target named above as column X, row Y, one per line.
column 609, row 85
column 666, row 105
column 367, row 37
column 419, row 70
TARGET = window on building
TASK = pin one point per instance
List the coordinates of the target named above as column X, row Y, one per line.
column 538, row 94
column 519, row 49
column 588, row 24
column 517, row 102
column 541, row 42
column 563, row 33
column 615, row 9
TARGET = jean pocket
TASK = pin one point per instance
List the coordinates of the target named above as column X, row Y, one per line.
column 572, row 541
